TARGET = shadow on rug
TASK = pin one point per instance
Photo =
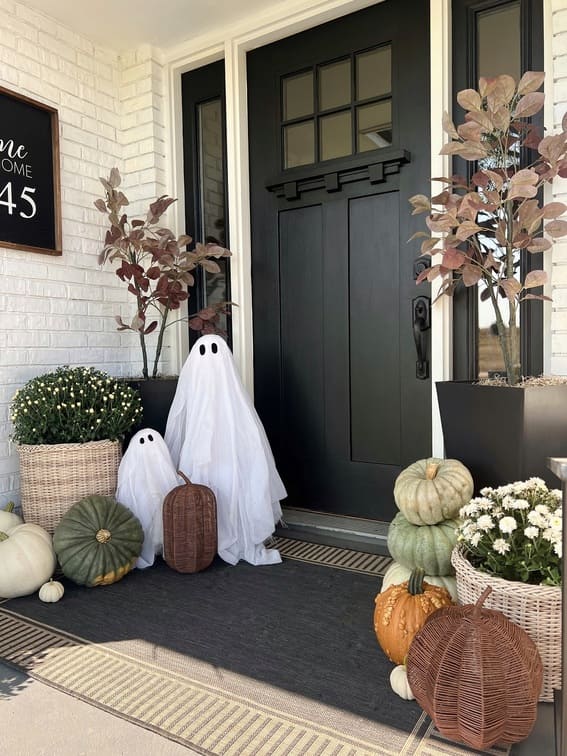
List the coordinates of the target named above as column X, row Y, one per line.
column 236, row 661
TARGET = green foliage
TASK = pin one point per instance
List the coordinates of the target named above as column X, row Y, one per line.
column 73, row 405
column 515, row 532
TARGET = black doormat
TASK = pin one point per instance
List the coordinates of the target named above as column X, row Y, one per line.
column 233, row 660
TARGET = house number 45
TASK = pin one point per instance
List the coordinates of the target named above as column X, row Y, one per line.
column 6, row 199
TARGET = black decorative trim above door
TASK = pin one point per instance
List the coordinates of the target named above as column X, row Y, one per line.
column 291, row 184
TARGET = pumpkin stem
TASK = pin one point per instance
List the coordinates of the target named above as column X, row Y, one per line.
column 481, row 599
column 415, row 582
column 185, row 478
column 431, row 470
column 3, row 536
column 103, row 535
column 9, row 507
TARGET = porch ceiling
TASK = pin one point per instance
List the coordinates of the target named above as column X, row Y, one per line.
column 129, row 23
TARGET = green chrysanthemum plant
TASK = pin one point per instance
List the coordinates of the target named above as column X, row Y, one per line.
column 73, row 405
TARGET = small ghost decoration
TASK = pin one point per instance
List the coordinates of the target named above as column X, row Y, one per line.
column 146, row 474
column 217, row 439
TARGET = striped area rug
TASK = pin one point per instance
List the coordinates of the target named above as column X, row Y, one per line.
column 332, row 556
column 215, row 714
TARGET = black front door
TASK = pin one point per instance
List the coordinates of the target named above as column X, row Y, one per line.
column 339, row 140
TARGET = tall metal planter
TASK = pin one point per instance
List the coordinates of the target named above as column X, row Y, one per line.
column 502, row 433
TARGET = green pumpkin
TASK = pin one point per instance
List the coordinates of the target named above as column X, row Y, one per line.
column 98, row 541
column 432, row 490
column 427, row 546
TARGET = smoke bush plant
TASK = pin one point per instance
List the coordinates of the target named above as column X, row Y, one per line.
column 157, row 267
column 489, row 221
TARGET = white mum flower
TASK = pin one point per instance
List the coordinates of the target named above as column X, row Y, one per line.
column 531, row 532
column 469, row 510
column 501, row 546
column 485, row 522
column 558, row 548
column 475, row 539
column 535, row 518
column 508, row 525
column 542, row 509
column 486, row 491
column 521, row 504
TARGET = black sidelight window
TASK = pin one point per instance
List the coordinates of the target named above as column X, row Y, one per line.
column 492, row 38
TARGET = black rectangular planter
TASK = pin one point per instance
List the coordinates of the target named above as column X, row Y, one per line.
column 502, row 433
column 157, row 395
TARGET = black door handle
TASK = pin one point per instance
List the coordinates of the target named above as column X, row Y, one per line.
column 421, row 323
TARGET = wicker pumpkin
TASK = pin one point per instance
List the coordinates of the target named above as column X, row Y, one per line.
column 98, row 541
column 476, row 674
column 432, row 490
column 397, row 573
column 427, row 546
column 189, row 527
column 402, row 610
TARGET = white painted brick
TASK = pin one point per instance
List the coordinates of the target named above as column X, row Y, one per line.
column 19, row 28
column 57, row 46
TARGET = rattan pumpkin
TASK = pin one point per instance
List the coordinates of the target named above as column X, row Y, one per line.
column 476, row 674
column 401, row 611
column 432, row 490
column 189, row 527
column 427, row 546
column 98, row 541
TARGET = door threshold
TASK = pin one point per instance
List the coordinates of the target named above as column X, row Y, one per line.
column 340, row 530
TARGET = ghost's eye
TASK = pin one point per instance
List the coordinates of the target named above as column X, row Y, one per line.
column 202, row 349
column 142, row 440
column 215, row 348
column 150, row 437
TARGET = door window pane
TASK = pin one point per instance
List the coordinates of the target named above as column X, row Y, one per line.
column 298, row 96
column 498, row 40
column 299, row 144
column 334, row 85
column 374, row 126
column 335, row 135
column 211, row 187
column 374, row 73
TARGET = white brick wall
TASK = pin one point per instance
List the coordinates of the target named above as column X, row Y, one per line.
column 59, row 310
column 559, row 254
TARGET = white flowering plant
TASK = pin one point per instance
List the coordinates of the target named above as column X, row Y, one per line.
column 73, row 405
column 515, row 532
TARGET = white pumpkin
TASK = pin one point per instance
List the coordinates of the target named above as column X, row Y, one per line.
column 400, row 684
column 27, row 559
column 51, row 592
column 397, row 573
column 7, row 517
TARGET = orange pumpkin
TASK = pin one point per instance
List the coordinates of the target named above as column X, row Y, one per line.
column 402, row 610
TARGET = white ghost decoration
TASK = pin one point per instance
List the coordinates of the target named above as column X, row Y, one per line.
column 217, row 439
column 145, row 476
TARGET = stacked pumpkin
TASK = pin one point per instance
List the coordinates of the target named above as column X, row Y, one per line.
column 429, row 495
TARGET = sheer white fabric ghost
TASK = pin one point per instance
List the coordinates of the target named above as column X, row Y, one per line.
column 216, row 438
column 145, row 476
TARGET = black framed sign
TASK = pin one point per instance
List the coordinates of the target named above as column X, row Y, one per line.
column 30, row 205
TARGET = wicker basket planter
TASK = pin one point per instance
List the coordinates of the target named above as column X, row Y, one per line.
column 535, row 608
column 56, row 476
